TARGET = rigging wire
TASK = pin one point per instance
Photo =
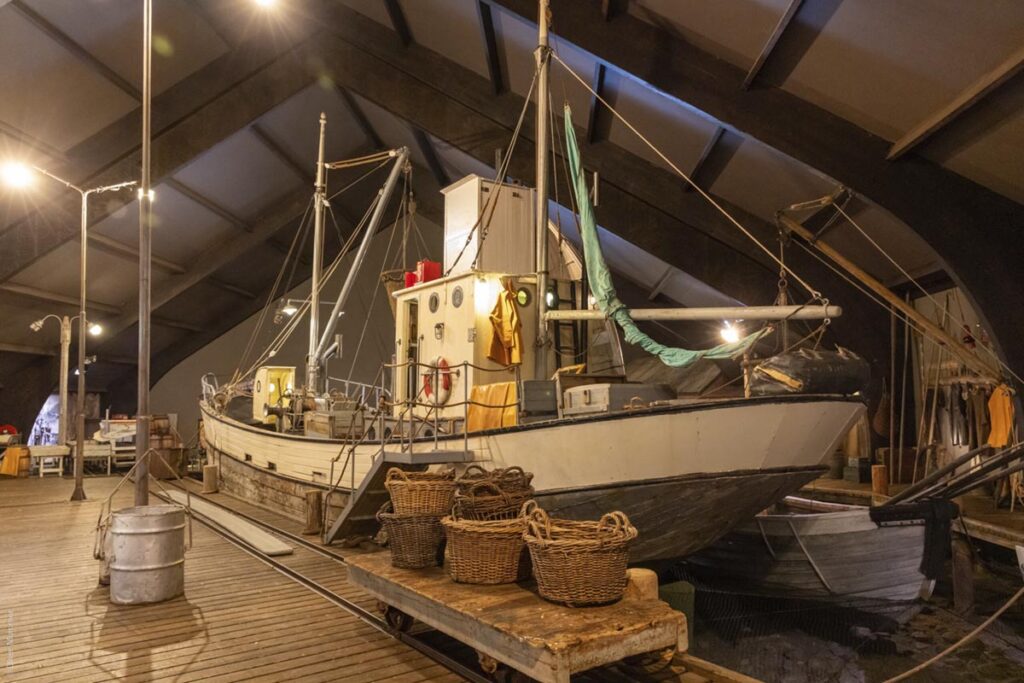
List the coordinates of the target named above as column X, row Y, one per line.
column 815, row 294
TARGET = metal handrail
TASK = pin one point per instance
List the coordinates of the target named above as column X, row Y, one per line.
column 363, row 388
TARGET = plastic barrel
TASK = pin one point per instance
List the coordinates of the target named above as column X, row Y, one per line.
column 147, row 554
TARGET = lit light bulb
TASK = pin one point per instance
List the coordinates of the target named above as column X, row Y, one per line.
column 730, row 334
column 265, row 3
column 16, row 175
column 95, row 329
column 289, row 309
column 151, row 193
column 272, row 387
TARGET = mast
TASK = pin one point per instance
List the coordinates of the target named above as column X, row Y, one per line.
column 319, row 200
column 401, row 165
column 543, row 66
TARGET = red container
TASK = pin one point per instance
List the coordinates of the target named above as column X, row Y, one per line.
column 427, row 270
column 410, row 279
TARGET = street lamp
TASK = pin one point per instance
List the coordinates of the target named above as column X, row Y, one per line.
column 21, row 176
column 65, row 346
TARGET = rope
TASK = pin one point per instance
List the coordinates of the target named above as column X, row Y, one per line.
column 966, row 639
column 813, row 292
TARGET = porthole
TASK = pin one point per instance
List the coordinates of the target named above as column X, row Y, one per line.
column 523, row 297
column 434, row 302
column 457, row 297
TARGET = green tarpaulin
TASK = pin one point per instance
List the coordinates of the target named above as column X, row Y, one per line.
column 601, row 280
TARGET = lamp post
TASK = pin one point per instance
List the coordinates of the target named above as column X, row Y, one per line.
column 65, row 352
column 21, row 175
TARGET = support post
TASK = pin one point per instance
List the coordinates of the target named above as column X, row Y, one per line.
column 83, row 324
column 879, row 484
column 65, row 352
column 142, row 418
column 210, row 479
column 314, row 512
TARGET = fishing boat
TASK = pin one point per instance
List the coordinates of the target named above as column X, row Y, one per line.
column 504, row 357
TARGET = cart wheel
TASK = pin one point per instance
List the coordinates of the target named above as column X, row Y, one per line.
column 397, row 619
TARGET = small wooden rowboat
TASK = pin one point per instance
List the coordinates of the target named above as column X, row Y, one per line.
column 842, row 553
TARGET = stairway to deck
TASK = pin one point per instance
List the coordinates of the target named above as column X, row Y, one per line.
column 359, row 518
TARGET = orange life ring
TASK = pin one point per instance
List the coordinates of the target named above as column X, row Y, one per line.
column 440, row 368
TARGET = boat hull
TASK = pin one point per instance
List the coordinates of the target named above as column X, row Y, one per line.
column 839, row 556
column 685, row 474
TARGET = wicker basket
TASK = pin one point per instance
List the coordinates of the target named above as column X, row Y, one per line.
column 487, row 500
column 578, row 563
column 510, row 479
column 414, row 539
column 485, row 552
column 421, row 493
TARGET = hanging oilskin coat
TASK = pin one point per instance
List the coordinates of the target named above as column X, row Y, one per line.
column 506, row 330
column 1000, row 408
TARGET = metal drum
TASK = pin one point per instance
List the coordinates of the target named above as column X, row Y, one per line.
column 147, row 554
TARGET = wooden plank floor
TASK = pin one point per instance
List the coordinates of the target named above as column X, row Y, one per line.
column 239, row 619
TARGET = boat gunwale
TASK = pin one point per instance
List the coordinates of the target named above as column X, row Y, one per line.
column 574, row 420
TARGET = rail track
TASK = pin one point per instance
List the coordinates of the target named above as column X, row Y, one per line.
column 393, row 626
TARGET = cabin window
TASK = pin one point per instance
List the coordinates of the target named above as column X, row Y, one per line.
column 434, row 302
column 457, row 297
column 523, row 297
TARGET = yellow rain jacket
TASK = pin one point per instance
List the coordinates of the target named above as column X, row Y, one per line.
column 507, row 330
column 1000, row 408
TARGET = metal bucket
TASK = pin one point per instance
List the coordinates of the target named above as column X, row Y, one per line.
column 147, row 554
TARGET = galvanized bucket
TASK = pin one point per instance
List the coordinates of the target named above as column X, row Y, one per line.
column 147, row 554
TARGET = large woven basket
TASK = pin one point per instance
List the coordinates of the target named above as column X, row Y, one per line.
column 488, row 500
column 510, row 479
column 421, row 493
column 414, row 539
column 485, row 552
column 578, row 563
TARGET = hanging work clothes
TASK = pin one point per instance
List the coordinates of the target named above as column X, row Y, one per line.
column 506, row 330
column 1000, row 408
column 957, row 416
column 979, row 399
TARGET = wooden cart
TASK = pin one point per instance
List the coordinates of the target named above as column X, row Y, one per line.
column 512, row 625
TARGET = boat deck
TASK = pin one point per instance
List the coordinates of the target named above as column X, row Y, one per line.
column 984, row 521
column 239, row 619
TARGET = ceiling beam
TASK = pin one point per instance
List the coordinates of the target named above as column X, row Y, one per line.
column 213, row 258
column 71, row 302
column 361, row 119
column 283, row 155
column 207, row 203
column 766, row 50
column 705, row 153
column 660, row 284
column 429, row 153
column 223, row 99
column 129, row 253
column 594, row 115
column 490, row 42
column 969, row 97
column 79, row 52
column 398, row 21
column 26, row 349
column 933, row 201
column 228, row 287
column 36, row 144
column 55, row 298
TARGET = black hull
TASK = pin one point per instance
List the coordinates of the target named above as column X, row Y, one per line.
column 677, row 517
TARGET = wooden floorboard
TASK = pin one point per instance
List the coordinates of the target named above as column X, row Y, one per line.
column 239, row 618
